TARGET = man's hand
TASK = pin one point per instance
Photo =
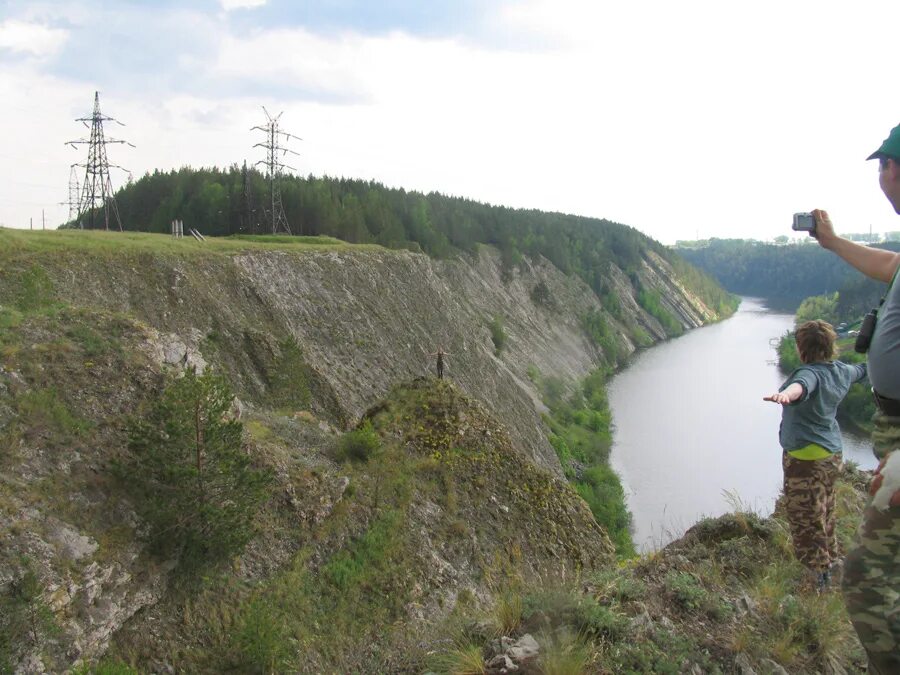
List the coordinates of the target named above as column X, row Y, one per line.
column 780, row 397
column 824, row 231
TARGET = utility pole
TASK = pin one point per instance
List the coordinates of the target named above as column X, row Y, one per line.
column 274, row 153
column 96, row 191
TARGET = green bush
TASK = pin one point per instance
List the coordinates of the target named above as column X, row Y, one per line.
column 601, row 333
column 686, row 590
column 498, row 334
column 600, row 621
column 358, row 445
column 188, row 475
column 24, row 616
column 600, row 487
column 540, row 295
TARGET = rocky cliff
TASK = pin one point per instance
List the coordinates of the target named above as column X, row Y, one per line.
column 311, row 337
column 366, row 318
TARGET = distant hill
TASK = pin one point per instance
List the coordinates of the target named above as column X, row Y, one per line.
column 784, row 275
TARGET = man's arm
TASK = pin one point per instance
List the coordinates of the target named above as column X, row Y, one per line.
column 876, row 263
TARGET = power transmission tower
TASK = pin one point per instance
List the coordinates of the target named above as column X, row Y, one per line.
column 96, row 191
column 274, row 154
column 74, row 194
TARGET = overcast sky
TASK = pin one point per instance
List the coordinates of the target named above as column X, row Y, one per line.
column 683, row 119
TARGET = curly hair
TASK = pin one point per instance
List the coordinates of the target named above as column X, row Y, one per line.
column 816, row 341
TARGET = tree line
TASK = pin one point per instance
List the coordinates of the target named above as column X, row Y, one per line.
column 236, row 201
column 786, row 275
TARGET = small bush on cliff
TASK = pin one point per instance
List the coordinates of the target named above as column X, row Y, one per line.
column 188, row 475
column 357, row 445
column 498, row 334
column 24, row 616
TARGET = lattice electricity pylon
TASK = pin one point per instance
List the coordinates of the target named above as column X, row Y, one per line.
column 96, row 191
column 74, row 194
column 274, row 153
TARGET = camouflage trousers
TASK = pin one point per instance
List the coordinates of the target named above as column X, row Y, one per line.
column 809, row 505
column 872, row 569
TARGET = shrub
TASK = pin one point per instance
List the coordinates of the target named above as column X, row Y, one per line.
column 24, row 616
column 686, row 590
column 498, row 334
column 188, row 474
column 358, row 445
column 540, row 295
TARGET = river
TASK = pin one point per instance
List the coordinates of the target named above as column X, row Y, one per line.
column 692, row 436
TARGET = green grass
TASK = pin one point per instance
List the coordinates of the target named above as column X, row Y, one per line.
column 16, row 244
column 730, row 587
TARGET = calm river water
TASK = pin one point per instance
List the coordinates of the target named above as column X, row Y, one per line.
column 691, row 432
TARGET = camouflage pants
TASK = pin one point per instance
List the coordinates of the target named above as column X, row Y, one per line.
column 872, row 569
column 809, row 504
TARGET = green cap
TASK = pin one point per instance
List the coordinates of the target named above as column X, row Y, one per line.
column 890, row 147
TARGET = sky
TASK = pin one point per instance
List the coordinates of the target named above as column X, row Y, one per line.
column 685, row 120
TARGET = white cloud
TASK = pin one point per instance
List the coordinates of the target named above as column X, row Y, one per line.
column 231, row 5
column 33, row 39
column 681, row 120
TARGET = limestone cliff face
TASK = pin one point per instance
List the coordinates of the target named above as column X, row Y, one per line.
column 87, row 336
column 367, row 318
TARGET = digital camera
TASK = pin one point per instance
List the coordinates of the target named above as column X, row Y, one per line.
column 804, row 222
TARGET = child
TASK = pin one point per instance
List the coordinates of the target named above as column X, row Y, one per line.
column 811, row 440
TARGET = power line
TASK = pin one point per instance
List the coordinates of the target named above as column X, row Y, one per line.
column 274, row 153
column 96, row 191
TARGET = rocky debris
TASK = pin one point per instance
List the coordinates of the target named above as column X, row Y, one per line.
column 171, row 350
column 513, row 656
column 743, row 666
column 770, row 667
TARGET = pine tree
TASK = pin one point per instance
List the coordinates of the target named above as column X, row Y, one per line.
column 189, row 476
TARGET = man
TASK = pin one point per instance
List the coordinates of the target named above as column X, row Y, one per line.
column 872, row 569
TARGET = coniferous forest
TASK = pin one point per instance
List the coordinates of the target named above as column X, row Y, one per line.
column 785, row 274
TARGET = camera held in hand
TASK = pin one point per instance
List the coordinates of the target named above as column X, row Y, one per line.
column 804, row 222
column 865, row 332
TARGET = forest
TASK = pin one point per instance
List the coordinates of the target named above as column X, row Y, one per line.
column 237, row 202
column 785, row 274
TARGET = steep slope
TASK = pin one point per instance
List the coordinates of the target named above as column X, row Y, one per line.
column 443, row 511
column 362, row 317
column 463, row 496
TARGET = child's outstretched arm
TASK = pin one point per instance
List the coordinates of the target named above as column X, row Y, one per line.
column 790, row 394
